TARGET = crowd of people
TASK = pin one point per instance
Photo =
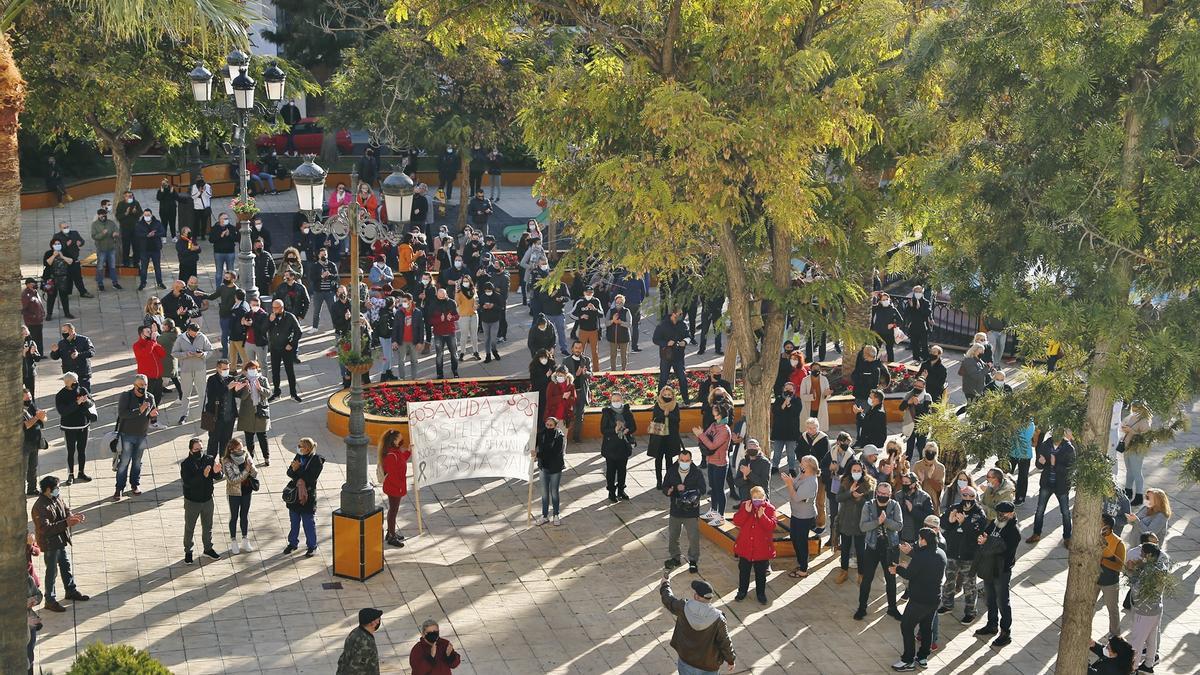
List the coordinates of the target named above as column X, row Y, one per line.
column 879, row 495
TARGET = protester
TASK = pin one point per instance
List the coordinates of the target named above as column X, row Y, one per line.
column 618, row 322
column 833, row 465
column 581, row 368
column 136, row 410
column 198, row 472
column 814, row 393
column 254, row 409
column 220, row 409
column 872, row 421
column 881, row 523
column 923, row 572
column 394, row 454
column 1146, row 596
column 1054, row 457
column 962, row 525
column 283, row 342
column 700, row 638
column 1019, row 457
column 1154, row 517
column 551, row 460
column 755, row 544
column 665, row 442
column 785, row 427
column 994, row 560
column 998, row 488
column 852, row 498
column 240, row 479
column 442, row 316
column 753, row 470
column 76, row 413
column 33, row 421
column 191, row 349
column 803, row 495
column 56, row 280
column 52, row 523
column 916, row 505
column 684, row 485
column 304, row 471
column 106, row 238
column 359, row 655
column 433, row 654
column 618, row 428
column 671, row 337
column 714, row 446
column 1112, row 562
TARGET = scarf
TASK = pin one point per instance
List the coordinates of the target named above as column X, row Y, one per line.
column 238, row 459
column 255, row 391
column 666, row 406
column 816, row 389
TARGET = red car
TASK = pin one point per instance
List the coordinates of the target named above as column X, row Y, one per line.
column 308, row 133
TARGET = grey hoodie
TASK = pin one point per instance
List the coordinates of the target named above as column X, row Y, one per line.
column 701, row 637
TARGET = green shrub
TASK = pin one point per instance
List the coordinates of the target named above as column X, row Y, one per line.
column 101, row 659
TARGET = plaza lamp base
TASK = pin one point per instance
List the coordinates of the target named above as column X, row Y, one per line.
column 357, row 545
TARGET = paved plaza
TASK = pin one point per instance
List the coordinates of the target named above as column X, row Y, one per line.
column 512, row 598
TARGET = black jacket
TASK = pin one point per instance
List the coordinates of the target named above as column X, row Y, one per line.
column 81, row 364
column 196, row 486
column 418, row 326
column 553, row 303
column 420, row 209
column 999, row 552
column 882, row 316
column 924, row 574
column 550, row 450
column 257, row 321
column 149, row 234
column 70, row 412
column 588, row 313
column 168, row 203
column 71, row 242
column 295, row 298
column 785, row 422
column 687, row 504
column 495, row 312
column 448, row 163
column 310, row 471
column 935, row 377
column 868, row 375
column 706, row 387
column 541, row 339
column 872, row 427
column 218, row 400
column 666, row 332
column 264, row 269
column 222, row 242
column 1058, row 477
column 918, row 313
column 962, row 539
column 283, row 330
column 172, row 304
column 615, row 446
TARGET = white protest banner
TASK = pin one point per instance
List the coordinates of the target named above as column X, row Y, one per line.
column 486, row 437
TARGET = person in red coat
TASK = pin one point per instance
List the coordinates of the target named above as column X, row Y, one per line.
column 560, row 397
column 433, row 654
column 394, row 454
column 442, row 316
column 799, row 369
column 755, row 545
column 148, row 354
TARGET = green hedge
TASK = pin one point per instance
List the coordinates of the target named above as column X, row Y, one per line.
column 101, row 659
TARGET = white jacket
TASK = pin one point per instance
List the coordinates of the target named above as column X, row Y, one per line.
column 192, row 354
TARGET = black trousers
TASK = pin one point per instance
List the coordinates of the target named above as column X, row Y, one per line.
column 614, row 473
column 1021, row 468
column 917, row 614
column 168, row 221
column 128, row 251
column 30, row 454
column 760, row 577
column 476, row 181
column 810, row 341
column 35, row 332
column 262, row 441
column 888, row 340
column 219, row 438
column 999, row 610
column 446, row 182
column 77, row 277
column 636, row 312
column 880, row 554
column 919, row 341
column 284, row 359
column 64, row 298
column 76, row 440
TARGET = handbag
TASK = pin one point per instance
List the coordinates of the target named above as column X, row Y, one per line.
column 42, row 443
column 1121, row 447
column 657, row 428
column 899, row 335
column 290, row 494
column 261, row 411
column 91, row 413
column 254, row 484
column 208, row 421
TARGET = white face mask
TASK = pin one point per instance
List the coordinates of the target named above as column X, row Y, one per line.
column 223, row 372
column 886, row 303
column 560, row 378
column 962, row 484
column 587, row 296
column 147, row 218
column 57, row 247
column 304, row 230
column 404, row 305
column 66, row 230
column 458, row 264
column 684, row 466
column 252, row 373
column 856, row 475
column 795, row 362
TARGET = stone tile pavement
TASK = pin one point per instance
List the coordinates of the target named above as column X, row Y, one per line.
column 580, row 598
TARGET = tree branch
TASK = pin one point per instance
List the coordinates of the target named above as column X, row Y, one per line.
column 669, row 35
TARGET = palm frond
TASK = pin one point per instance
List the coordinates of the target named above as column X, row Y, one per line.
column 150, row 20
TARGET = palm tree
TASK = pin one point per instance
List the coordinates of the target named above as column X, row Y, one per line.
column 117, row 19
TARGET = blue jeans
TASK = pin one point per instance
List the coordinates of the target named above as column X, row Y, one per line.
column 224, row 261
column 226, row 327
column 550, row 483
column 106, row 260
column 1133, row 471
column 685, row 669
column 310, row 528
column 560, row 327
column 58, row 560
column 1064, row 507
column 258, row 178
column 716, row 484
column 779, row 448
column 144, row 265
column 130, row 464
column 321, row 298
column 442, row 343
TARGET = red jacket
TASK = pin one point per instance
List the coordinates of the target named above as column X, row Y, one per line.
column 395, row 471
column 421, row 662
column 443, row 316
column 557, row 406
column 149, row 355
column 756, row 535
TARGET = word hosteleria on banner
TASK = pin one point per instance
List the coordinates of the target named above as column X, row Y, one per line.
column 486, row 437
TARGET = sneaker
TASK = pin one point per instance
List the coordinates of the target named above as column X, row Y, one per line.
column 967, row 619
column 671, row 563
column 901, row 666
column 70, row 480
column 117, row 286
column 245, row 545
column 694, row 567
column 155, row 426
column 613, row 498
column 1003, row 640
column 135, row 492
column 540, row 520
column 1144, row 668
column 234, row 549
column 296, row 397
column 709, row 515
column 212, row 554
column 83, row 478
column 289, row 549
column 273, row 397
column 101, row 288
column 622, row 496
column 187, row 557
column 77, row 596
column 922, row 661
column 556, row 521
column 161, row 286
column 987, row 631
column 860, row 614
column 182, row 420
column 717, row 522
column 310, row 553
column 116, row 496
column 945, row 609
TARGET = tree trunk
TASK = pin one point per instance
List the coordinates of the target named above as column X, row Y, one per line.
column 123, row 164
column 329, row 148
column 14, row 633
column 858, row 315
column 464, row 170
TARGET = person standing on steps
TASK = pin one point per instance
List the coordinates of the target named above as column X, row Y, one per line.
column 201, row 194
column 881, row 523
column 198, row 472
column 52, row 523
column 802, row 495
column 684, row 485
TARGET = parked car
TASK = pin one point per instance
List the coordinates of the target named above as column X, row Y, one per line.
column 308, row 133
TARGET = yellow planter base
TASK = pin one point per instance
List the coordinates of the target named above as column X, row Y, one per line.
column 357, row 545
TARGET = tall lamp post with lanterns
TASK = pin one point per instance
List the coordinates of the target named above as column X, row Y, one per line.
column 358, row 523
column 239, row 87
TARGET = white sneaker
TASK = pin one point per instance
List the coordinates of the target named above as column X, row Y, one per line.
column 556, row 521
column 710, row 515
column 246, row 545
column 233, row 548
column 540, row 520
column 717, row 522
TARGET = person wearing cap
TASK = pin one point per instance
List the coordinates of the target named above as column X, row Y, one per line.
column 753, row 470
column 587, row 312
column 924, row 575
column 962, row 523
column 994, row 562
column 870, row 462
column 360, row 656
column 701, row 637
column 998, row 487
column 433, row 654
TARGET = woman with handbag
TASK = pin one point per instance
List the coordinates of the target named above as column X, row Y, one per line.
column 300, row 495
column 394, row 454
column 75, row 416
column 254, row 413
column 241, row 481
column 665, row 442
column 618, row 427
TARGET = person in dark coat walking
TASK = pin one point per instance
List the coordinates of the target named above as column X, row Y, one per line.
column 924, row 573
column 618, row 427
column 918, row 314
column 884, row 320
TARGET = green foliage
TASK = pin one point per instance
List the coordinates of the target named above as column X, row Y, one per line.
column 314, row 33
column 101, row 659
column 1187, row 461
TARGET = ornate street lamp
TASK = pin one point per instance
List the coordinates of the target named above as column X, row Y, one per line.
column 274, row 78
column 358, row 552
column 398, row 196
column 201, row 78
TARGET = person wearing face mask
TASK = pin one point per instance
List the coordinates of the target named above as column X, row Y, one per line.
column 433, row 654
column 869, row 374
column 479, row 209
column 916, row 505
column 52, row 523
column 468, row 320
column 852, row 497
column 1112, row 562
column 148, row 355
column 560, row 397
column 380, row 273
column 240, row 476
column 962, row 525
column 580, row 367
column 804, row 493
column 998, row 488
column 191, row 349
column 931, row 475
column 359, row 655
column 541, row 373
column 283, row 343
column 785, row 427
column 919, row 314
column 149, row 233
column 709, row 386
column 872, row 421
column 934, row 372
column 56, row 279
column 491, row 312
column 255, row 323
column 136, row 410
column 264, row 268
column 224, row 238
column 448, row 166
column 324, row 283
column 541, row 335
column 915, row 404
column 924, row 575
column 551, row 303
column 220, row 410
column 537, row 267
column 168, row 205
column 684, row 484
column 304, row 471
column 33, row 420
column 1115, row 657
column 187, row 250
column 753, row 469
column 834, row 458
column 229, row 296
column 33, row 313
column 254, row 410
column 170, row 365
column 618, row 428
column 201, row 198
column 76, row 414
column 338, row 199
column 408, row 334
column 754, row 546
column 1055, row 456
column 881, row 523
column 129, row 210
column 995, row 559
column 618, row 321
column 665, row 442
column 442, row 316
column 714, row 446
column 198, row 472
column 71, row 241
column 548, row 451
column 814, row 392
column 587, row 312
column 885, row 318
column 974, row 373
